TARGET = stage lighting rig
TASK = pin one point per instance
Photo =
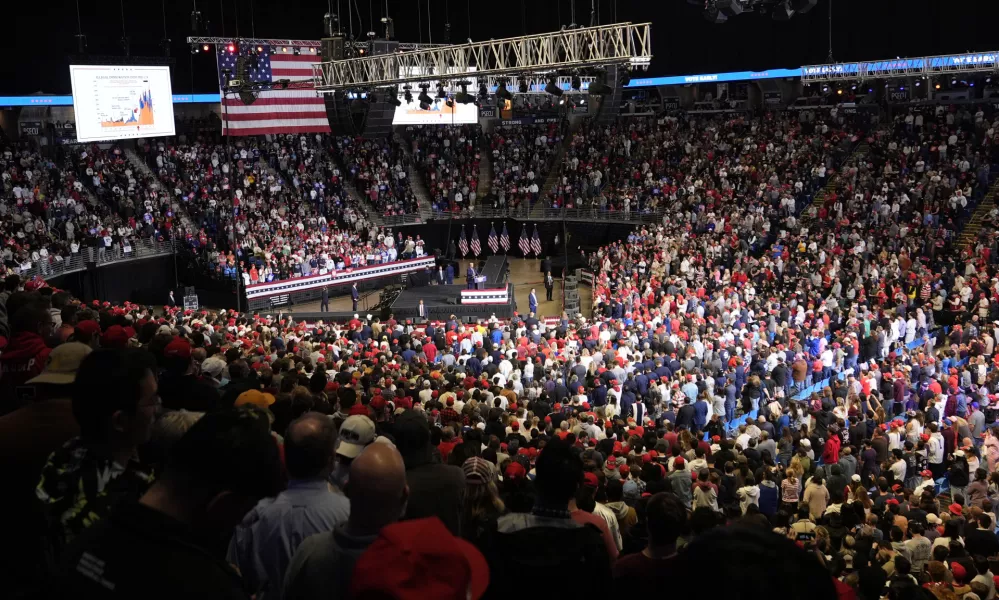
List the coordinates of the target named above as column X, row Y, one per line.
column 553, row 88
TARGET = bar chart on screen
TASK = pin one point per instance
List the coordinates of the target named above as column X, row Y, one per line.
column 121, row 102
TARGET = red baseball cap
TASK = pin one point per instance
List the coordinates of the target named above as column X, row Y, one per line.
column 420, row 559
column 114, row 337
column 89, row 327
column 178, row 348
column 590, row 480
column 514, row 470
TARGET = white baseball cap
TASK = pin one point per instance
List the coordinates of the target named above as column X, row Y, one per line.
column 356, row 432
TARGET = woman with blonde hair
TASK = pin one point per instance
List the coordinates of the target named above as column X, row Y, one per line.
column 482, row 506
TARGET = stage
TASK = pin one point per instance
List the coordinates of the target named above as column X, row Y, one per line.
column 524, row 276
column 442, row 301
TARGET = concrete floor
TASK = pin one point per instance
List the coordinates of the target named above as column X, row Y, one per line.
column 524, row 274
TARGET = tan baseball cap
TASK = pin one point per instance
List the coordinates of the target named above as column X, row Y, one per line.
column 63, row 363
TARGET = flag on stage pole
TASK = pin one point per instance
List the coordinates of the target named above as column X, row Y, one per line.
column 505, row 239
column 463, row 242
column 536, row 241
column 493, row 240
column 290, row 107
column 476, row 245
column 525, row 242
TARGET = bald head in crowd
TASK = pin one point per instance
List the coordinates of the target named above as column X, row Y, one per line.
column 377, row 489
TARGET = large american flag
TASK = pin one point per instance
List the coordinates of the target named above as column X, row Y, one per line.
column 297, row 109
column 493, row 240
column 536, row 241
column 525, row 242
column 463, row 242
column 476, row 245
column 505, row 239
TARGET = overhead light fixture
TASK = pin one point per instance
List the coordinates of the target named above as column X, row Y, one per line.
column 917, row 84
column 936, row 87
column 194, row 49
column 205, row 48
column 424, row 105
column 441, row 94
column 408, row 95
column 803, row 6
column 553, row 87
column 313, row 49
column 424, row 97
column 449, row 102
column 483, row 91
column 523, row 86
column 840, row 92
column 296, row 51
column 576, row 82
column 463, row 96
column 231, row 48
column 260, row 48
column 502, row 92
column 394, row 100
column 783, row 12
column 625, row 77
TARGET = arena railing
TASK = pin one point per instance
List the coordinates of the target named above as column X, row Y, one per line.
column 137, row 249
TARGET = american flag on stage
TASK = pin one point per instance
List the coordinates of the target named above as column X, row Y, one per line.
column 493, row 241
column 505, row 239
column 297, row 109
column 463, row 242
column 536, row 241
column 525, row 242
column 476, row 245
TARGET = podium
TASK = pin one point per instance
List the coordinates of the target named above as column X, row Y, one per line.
column 480, row 282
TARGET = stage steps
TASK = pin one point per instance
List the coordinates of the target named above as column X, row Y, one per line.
column 969, row 235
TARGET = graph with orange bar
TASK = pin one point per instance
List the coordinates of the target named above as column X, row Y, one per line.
column 140, row 114
column 125, row 104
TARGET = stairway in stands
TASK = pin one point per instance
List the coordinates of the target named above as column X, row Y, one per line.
column 416, row 180
column 555, row 173
column 141, row 167
column 372, row 214
column 970, row 233
column 858, row 153
column 485, row 174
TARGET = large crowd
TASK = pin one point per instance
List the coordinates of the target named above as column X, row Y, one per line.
column 790, row 390
column 79, row 200
column 522, row 156
column 448, row 158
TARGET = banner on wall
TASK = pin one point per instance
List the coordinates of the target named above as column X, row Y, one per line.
column 671, row 103
column 772, row 97
column 30, row 128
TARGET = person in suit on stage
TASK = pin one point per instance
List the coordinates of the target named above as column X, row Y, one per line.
column 470, row 276
column 449, row 274
column 354, row 295
column 441, row 278
column 324, row 302
column 422, row 310
column 532, row 301
column 549, row 285
column 170, row 300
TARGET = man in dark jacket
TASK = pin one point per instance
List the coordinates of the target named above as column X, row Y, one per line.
column 434, row 489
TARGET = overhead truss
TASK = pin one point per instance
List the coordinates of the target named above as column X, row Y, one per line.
column 282, row 43
column 619, row 44
column 536, row 84
column 976, row 62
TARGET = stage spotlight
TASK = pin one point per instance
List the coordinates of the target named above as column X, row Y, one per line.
column 449, row 102
column 936, row 87
column 408, row 95
column 783, row 12
column 625, row 77
column 840, row 92
column 205, row 47
column 231, row 48
column 260, row 48
column 576, row 82
column 803, row 6
column 715, row 16
column 523, row 86
column 502, row 92
column 424, row 105
column 441, row 94
column 296, row 51
column 194, row 49
column 394, row 100
column 483, row 91
column 917, row 84
column 553, row 88
column 424, row 97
